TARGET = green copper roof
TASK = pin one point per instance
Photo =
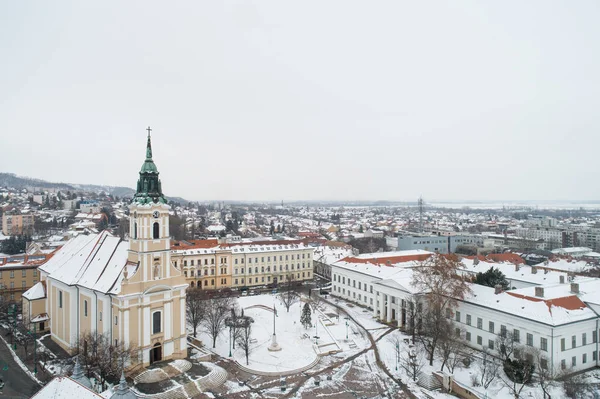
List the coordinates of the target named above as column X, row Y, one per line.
column 149, row 188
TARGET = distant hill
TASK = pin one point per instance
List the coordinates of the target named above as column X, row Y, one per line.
column 18, row 182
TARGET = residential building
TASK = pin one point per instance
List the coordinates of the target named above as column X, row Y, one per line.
column 239, row 264
column 17, row 224
column 128, row 291
column 19, row 273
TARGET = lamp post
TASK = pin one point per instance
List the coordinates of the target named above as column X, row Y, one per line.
column 397, row 351
column 13, row 311
column 229, row 341
column 34, row 347
column 346, row 330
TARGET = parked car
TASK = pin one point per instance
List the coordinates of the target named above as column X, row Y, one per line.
column 244, row 293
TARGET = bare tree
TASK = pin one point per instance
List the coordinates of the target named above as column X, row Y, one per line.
column 545, row 375
column 290, row 296
column 575, row 385
column 245, row 337
column 412, row 362
column 103, row 358
column 195, row 309
column 450, row 351
column 217, row 310
column 414, row 309
column 507, row 344
column 489, row 368
column 439, row 279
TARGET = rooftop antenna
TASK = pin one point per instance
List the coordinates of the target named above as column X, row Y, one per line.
column 421, row 206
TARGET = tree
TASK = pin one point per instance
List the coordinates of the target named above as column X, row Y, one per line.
column 245, row 337
column 305, row 318
column 492, row 278
column 546, row 377
column 412, row 362
column 217, row 310
column 414, row 310
column 507, row 344
column 489, row 368
column 289, row 297
column 103, row 358
column 450, row 350
column 439, row 279
column 518, row 373
column 576, row 386
column 195, row 308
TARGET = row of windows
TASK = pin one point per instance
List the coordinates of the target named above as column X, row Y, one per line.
column 563, row 362
column 155, row 230
column 23, row 273
column 574, row 340
column 360, row 296
column 352, row 283
column 262, row 269
column 241, row 260
column 12, row 284
column 268, row 280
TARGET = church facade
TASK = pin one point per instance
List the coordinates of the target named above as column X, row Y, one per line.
column 127, row 290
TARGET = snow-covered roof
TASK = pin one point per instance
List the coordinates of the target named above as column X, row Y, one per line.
column 549, row 309
column 571, row 250
column 393, row 254
column 567, row 265
column 38, row 291
column 65, row 388
column 94, row 261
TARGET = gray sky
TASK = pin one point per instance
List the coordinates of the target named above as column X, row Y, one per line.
column 306, row 100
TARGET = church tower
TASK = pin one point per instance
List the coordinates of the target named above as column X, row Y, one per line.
column 152, row 284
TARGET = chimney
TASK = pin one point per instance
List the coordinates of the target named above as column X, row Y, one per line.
column 533, row 270
column 546, row 271
column 562, row 279
column 539, row 292
column 546, row 262
column 476, row 261
column 575, row 288
column 497, row 289
column 517, row 267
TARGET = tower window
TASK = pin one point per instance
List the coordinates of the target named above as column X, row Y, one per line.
column 156, row 229
column 135, row 230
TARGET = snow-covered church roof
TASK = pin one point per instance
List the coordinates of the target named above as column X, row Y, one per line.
column 94, row 261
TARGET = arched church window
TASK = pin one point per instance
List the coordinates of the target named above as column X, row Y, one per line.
column 156, row 322
column 135, row 230
column 156, row 272
column 155, row 229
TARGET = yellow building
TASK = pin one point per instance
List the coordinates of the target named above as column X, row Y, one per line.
column 18, row 273
column 127, row 290
column 222, row 263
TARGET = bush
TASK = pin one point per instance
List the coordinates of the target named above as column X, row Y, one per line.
column 518, row 370
column 466, row 361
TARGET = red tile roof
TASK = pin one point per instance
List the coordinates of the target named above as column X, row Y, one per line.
column 571, row 302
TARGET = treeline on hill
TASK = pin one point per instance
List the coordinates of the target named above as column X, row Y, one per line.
column 12, row 180
column 14, row 244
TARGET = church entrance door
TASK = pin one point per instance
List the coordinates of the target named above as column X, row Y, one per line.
column 156, row 353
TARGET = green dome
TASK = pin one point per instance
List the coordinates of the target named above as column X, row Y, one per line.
column 149, row 189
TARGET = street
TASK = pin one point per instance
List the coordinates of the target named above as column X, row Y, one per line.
column 17, row 384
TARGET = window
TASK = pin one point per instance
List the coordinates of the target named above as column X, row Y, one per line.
column 23, row 273
column 583, row 339
column 236, row 261
column 594, row 336
column 503, row 331
column 480, row 323
column 468, row 319
column 155, row 230
column 156, row 322
column 516, row 335
column 544, row 363
column 457, row 331
column 562, row 344
column 23, row 284
column 116, row 320
column 563, row 364
column 135, row 230
column 457, row 316
column 448, row 313
column 468, row 336
column 573, row 341
column 594, row 355
column 12, row 284
column 529, row 339
column 491, row 344
column 544, row 344
column 584, row 358
column 100, row 316
column 85, row 312
column 60, row 299
column 491, row 326
column 12, row 274
column 479, row 340
column 574, row 361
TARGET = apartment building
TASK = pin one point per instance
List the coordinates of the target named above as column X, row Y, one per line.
column 236, row 263
column 13, row 224
column 19, row 273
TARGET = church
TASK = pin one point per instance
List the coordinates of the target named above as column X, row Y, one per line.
column 127, row 290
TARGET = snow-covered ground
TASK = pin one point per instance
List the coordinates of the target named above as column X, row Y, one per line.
column 299, row 346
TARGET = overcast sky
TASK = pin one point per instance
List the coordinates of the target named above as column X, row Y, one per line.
column 272, row 100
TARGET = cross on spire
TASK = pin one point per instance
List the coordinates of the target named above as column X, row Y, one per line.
column 149, row 130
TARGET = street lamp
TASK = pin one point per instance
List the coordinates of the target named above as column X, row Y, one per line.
column 346, row 330
column 397, row 352
column 13, row 311
column 34, row 347
column 230, row 341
